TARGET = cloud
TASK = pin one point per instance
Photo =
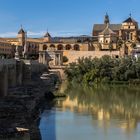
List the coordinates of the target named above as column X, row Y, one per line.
column 67, row 33
column 42, row 33
column 8, row 34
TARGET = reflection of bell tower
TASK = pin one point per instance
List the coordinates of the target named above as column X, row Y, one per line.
column 47, row 37
column 21, row 37
column 106, row 20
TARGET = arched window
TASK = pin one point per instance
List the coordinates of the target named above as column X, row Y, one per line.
column 52, row 47
column 126, row 50
column 76, row 47
column 45, row 47
column 68, row 47
column 60, row 47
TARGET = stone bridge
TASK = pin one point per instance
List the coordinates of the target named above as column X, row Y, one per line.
column 15, row 73
column 59, row 70
column 10, row 75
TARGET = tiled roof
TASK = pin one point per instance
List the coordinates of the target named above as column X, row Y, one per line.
column 107, row 31
column 101, row 27
column 21, row 31
column 130, row 20
column 37, row 40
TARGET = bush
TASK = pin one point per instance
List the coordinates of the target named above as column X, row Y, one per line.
column 65, row 59
column 105, row 69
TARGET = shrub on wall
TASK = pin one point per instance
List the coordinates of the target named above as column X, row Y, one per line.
column 65, row 59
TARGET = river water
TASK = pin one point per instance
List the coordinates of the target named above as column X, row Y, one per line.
column 100, row 113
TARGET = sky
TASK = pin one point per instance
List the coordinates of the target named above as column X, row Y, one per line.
column 62, row 17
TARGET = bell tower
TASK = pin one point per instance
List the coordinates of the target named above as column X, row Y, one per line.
column 106, row 19
column 129, row 29
column 47, row 37
column 21, row 37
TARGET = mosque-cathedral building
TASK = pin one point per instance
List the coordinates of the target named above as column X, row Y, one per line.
column 117, row 40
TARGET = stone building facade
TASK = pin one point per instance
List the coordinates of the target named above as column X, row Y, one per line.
column 7, row 50
column 116, row 40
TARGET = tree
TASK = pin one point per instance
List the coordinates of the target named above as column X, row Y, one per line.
column 65, row 59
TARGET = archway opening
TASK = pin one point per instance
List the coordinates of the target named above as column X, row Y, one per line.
column 76, row 47
column 126, row 50
column 60, row 47
column 52, row 47
column 68, row 47
column 45, row 47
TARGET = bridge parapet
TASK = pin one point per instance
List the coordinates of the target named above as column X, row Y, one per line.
column 7, row 63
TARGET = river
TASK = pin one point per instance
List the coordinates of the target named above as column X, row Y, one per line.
column 100, row 113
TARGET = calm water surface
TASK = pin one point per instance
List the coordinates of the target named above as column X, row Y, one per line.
column 100, row 113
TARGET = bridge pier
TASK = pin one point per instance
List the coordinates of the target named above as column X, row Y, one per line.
column 11, row 76
column 15, row 73
column 4, row 81
column 19, row 73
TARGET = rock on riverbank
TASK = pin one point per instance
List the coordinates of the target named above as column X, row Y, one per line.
column 22, row 106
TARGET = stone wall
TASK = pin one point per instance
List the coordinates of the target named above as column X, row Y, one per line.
column 74, row 55
column 14, row 73
column 8, row 73
column 31, row 68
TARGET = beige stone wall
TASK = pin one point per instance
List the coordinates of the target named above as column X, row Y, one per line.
column 6, row 48
column 74, row 55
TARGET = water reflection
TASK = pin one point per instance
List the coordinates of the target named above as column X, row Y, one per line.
column 47, row 123
column 106, row 103
column 103, row 112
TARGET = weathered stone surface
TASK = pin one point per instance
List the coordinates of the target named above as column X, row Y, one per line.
column 22, row 106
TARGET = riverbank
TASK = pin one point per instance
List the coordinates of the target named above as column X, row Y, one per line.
column 20, row 110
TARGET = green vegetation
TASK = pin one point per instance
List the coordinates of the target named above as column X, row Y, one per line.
column 65, row 59
column 105, row 70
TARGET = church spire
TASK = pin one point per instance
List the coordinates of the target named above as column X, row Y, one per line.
column 106, row 20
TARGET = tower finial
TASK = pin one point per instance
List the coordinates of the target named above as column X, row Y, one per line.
column 106, row 20
column 130, row 15
column 21, row 26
